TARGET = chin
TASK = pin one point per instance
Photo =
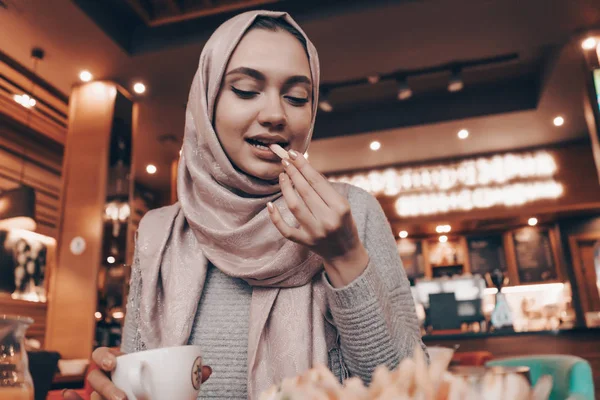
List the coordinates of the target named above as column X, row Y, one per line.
column 265, row 172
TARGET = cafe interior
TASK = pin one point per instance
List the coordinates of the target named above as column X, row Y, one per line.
column 475, row 124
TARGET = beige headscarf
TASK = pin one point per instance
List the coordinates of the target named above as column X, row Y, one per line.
column 222, row 217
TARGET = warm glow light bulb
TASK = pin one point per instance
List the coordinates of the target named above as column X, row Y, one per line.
column 403, row 234
column 151, row 169
column 375, row 145
column 589, row 43
column 532, row 221
column 85, row 76
column 139, row 88
column 559, row 121
column 463, row 134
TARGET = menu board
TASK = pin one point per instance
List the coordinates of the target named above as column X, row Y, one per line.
column 533, row 253
column 411, row 254
column 486, row 253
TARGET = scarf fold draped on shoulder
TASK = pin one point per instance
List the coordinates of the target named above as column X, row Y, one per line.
column 221, row 218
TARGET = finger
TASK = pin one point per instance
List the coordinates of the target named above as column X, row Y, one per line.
column 307, row 193
column 70, row 395
column 101, row 384
column 95, row 396
column 206, row 373
column 319, row 183
column 295, row 203
column 106, row 358
column 293, row 234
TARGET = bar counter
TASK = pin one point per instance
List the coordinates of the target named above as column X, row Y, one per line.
column 580, row 342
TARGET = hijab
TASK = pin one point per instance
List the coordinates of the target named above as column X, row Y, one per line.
column 222, row 218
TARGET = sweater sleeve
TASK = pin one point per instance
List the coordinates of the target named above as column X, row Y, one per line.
column 375, row 314
column 130, row 341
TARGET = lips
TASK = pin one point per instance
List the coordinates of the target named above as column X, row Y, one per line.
column 264, row 141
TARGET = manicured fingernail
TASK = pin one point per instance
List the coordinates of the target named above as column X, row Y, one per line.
column 107, row 363
column 293, row 154
column 281, row 177
column 118, row 396
column 270, row 206
column 285, row 162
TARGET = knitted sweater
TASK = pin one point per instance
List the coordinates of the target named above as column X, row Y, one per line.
column 374, row 315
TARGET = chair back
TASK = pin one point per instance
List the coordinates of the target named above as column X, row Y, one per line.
column 572, row 376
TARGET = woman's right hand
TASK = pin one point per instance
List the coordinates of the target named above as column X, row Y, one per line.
column 106, row 360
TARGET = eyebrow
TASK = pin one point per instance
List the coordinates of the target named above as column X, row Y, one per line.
column 259, row 76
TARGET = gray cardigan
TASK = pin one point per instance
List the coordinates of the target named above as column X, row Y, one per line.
column 374, row 316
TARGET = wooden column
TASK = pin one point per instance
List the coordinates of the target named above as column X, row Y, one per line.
column 73, row 297
column 174, row 166
column 590, row 105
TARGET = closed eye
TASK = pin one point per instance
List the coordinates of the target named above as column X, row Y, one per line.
column 244, row 94
column 296, row 101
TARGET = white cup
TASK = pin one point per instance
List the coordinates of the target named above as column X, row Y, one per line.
column 160, row 374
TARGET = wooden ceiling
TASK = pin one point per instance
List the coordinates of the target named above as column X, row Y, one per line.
column 161, row 12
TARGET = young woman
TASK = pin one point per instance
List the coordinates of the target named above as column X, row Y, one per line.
column 263, row 262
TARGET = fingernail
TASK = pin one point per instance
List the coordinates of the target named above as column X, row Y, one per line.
column 281, row 177
column 107, row 363
column 118, row 396
column 270, row 206
column 293, row 154
column 285, row 162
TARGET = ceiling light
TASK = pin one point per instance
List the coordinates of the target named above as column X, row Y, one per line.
column 85, row 76
column 151, row 169
column 373, row 79
column 375, row 145
column 443, row 239
column 443, row 228
column 532, row 221
column 118, row 315
column 139, row 88
column 559, row 121
column 324, row 104
column 463, row 134
column 110, row 260
column 455, row 84
column 403, row 234
column 404, row 91
column 589, row 43
column 25, row 100
column 98, row 314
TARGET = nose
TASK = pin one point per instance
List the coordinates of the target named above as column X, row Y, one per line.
column 272, row 115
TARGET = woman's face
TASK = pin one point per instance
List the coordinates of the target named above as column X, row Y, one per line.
column 265, row 98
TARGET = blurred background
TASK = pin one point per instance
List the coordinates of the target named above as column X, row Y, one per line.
column 476, row 124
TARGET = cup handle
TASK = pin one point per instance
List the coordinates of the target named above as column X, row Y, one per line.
column 138, row 379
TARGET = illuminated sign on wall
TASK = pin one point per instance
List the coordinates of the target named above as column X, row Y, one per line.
column 502, row 180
